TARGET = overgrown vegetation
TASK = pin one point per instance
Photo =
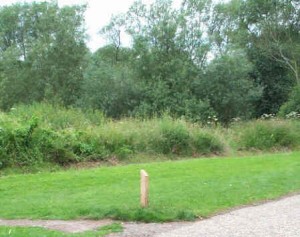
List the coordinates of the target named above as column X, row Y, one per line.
column 169, row 92
column 45, row 133
column 270, row 135
column 238, row 59
column 203, row 79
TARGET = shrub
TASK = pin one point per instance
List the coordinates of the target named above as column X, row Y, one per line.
column 16, row 143
column 26, row 143
column 116, row 143
column 78, row 146
column 292, row 105
column 174, row 138
column 31, row 141
column 205, row 143
column 63, row 156
column 198, row 111
column 265, row 135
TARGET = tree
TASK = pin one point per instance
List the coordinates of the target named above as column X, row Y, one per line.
column 46, row 45
column 223, row 27
column 292, row 107
column 275, row 80
column 273, row 26
column 109, row 85
column 113, row 34
column 165, row 58
column 228, row 88
column 268, row 31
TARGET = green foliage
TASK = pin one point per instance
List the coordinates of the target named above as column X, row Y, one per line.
column 174, row 138
column 17, row 144
column 57, row 116
column 42, row 51
column 117, row 143
column 274, row 79
column 238, row 59
column 198, row 111
column 205, row 143
column 228, row 89
column 44, row 133
column 293, row 103
column 109, row 85
column 267, row 135
column 162, row 61
column 268, row 31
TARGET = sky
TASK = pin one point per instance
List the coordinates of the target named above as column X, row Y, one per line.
column 97, row 15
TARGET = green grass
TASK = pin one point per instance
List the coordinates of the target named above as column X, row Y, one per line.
column 38, row 232
column 178, row 190
column 39, row 135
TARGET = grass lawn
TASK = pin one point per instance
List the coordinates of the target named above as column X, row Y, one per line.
column 178, row 190
column 38, row 232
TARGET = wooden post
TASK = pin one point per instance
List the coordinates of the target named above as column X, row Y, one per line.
column 144, row 189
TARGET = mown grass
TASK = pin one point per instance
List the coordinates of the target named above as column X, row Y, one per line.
column 179, row 190
column 38, row 232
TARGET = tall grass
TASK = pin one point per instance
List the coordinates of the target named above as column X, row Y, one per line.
column 48, row 133
column 58, row 117
column 269, row 135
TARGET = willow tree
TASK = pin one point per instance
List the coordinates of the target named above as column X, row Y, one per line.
column 42, row 50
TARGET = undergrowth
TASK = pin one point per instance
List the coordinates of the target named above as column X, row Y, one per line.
column 45, row 133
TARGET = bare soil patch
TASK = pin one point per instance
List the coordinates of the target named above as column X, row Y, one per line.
column 65, row 226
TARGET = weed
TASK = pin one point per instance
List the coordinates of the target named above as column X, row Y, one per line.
column 44, row 133
column 266, row 135
column 205, row 143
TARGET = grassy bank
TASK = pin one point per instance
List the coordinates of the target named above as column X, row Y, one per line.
column 45, row 135
column 178, row 190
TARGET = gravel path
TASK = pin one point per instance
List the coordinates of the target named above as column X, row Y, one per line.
column 273, row 219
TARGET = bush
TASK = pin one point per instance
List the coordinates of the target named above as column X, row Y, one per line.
column 174, row 138
column 17, row 143
column 117, row 144
column 25, row 143
column 198, row 111
column 292, row 105
column 204, row 143
column 31, row 141
column 266, row 135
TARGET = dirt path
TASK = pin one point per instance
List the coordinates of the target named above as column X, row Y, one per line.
column 279, row 218
column 65, row 226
